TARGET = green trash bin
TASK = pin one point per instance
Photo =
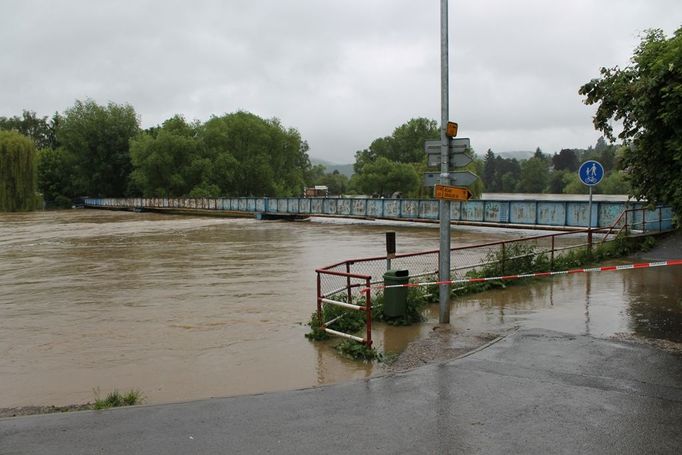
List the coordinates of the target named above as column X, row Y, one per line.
column 395, row 299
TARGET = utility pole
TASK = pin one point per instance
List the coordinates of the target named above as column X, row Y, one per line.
column 444, row 205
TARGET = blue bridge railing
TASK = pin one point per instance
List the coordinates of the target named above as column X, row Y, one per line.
column 508, row 212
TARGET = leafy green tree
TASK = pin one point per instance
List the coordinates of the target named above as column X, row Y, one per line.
column 489, row 171
column 405, row 145
column 384, row 177
column 54, row 174
column 615, row 183
column 335, row 181
column 573, row 185
column 269, row 160
column 565, row 160
column 39, row 129
column 646, row 98
column 556, row 181
column 534, row 175
column 97, row 138
column 507, row 174
column 165, row 160
column 17, row 172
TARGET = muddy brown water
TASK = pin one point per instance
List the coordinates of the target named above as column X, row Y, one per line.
column 187, row 307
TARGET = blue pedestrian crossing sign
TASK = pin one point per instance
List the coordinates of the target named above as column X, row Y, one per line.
column 591, row 172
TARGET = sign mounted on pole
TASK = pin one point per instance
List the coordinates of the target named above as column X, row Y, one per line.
column 451, row 129
column 451, row 193
column 456, row 152
column 591, row 172
column 459, row 178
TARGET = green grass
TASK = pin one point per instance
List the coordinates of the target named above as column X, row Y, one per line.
column 117, row 399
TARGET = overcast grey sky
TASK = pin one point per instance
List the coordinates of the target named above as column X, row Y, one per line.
column 343, row 73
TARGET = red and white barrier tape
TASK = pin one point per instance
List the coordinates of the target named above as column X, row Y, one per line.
column 609, row 268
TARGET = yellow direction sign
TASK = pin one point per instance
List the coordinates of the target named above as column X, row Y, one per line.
column 452, row 193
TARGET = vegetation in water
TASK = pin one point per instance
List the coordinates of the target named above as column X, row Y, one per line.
column 358, row 351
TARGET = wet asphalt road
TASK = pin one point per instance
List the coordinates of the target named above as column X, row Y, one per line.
column 535, row 391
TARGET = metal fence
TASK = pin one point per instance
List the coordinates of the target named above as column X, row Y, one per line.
column 357, row 279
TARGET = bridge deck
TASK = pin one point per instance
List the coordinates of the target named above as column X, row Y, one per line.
column 565, row 214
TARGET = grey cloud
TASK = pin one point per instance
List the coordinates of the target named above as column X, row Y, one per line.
column 343, row 73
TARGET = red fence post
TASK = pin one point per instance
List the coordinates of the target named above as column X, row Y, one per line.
column 368, row 309
column 348, row 288
column 319, row 299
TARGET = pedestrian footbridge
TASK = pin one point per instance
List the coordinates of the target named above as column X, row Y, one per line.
column 557, row 214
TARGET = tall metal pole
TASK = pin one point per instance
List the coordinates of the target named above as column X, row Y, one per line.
column 589, row 224
column 444, row 205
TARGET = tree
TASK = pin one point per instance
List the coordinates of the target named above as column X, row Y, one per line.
column 646, row 97
column 565, row 160
column 164, row 160
column 534, row 175
column 384, row 177
column 54, row 174
column 97, row 138
column 17, row 172
column 336, row 182
column 40, row 130
column 489, row 171
column 260, row 157
column 405, row 145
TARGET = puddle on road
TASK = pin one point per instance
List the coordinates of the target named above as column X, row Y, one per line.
column 643, row 302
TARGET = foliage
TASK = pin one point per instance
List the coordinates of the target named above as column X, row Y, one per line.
column 116, row 399
column 17, row 173
column 40, row 130
column 521, row 258
column 351, row 321
column 394, row 163
column 358, row 351
column 405, row 145
column 646, row 98
column 417, row 298
column 384, row 177
column 96, row 138
column 169, row 161
column 257, row 157
column 54, row 175
column 534, row 175
column 336, row 182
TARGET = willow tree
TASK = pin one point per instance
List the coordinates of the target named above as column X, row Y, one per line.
column 17, row 172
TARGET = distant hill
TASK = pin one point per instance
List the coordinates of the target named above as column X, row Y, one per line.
column 518, row 154
column 345, row 169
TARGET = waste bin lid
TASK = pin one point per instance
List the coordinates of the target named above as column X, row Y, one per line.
column 395, row 272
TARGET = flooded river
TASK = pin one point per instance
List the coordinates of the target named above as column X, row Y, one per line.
column 184, row 308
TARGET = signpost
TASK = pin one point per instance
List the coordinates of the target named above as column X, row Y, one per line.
column 458, row 178
column 591, row 173
column 452, row 193
column 444, row 205
column 456, row 152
